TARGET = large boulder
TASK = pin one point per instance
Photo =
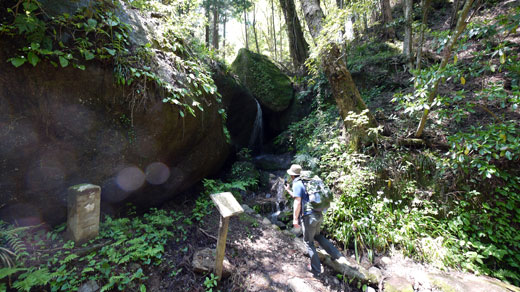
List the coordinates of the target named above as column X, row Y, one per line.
column 268, row 84
column 241, row 108
column 63, row 126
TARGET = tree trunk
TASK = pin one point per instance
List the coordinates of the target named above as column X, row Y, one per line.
column 298, row 47
column 461, row 25
column 344, row 90
column 254, row 30
column 206, row 27
column 407, row 43
column 245, row 29
column 313, row 16
column 215, row 26
column 386, row 13
column 456, row 6
column 224, row 37
column 426, row 6
column 273, row 29
column 281, row 38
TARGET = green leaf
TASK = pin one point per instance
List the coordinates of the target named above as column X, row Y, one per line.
column 63, row 62
column 29, row 6
column 92, row 22
column 17, row 62
column 89, row 55
column 142, row 288
column 9, row 271
column 111, row 51
column 33, row 58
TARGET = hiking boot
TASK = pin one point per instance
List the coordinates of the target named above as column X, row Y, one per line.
column 314, row 273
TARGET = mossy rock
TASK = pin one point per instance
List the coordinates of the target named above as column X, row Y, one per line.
column 397, row 284
column 268, row 84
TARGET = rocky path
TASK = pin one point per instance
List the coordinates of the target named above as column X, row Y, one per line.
column 265, row 258
column 271, row 261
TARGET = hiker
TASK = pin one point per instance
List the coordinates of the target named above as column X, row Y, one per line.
column 311, row 219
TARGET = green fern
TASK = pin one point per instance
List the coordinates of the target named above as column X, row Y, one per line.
column 11, row 245
column 32, row 278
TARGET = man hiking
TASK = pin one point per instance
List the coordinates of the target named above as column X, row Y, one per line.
column 311, row 219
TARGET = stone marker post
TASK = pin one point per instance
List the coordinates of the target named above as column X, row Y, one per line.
column 83, row 204
column 228, row 206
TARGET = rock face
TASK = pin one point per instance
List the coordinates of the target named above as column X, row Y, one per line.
column 240, row 107
column 62, row 126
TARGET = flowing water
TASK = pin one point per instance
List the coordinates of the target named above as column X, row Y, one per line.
column 278, row 192
column 257, row 134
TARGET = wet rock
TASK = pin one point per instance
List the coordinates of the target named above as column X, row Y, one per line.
column 273, row 162
column 89, row 286
column 397, row 284
column 266, row 221
column 248, row 209
column 204, row 262
column 266, row 205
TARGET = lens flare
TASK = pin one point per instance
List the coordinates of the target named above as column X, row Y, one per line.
column 130, row 178
column 157, row 173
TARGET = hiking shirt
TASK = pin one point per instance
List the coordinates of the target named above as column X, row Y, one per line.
column 299, row 191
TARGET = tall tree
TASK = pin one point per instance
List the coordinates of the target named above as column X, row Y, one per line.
column 298, row 47
column 424, row 25
column 461, row 26
column 386, row 13
column 215, row 34
column 273, row 30
column 407, row 43
column 224, row 36
column 254, row 29
column 344, row 89
column 206, row 4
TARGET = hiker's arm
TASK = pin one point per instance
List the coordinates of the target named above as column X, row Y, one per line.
column 297, row 205
column 288, row 189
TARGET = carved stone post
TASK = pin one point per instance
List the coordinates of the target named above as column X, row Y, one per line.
column 83, row 212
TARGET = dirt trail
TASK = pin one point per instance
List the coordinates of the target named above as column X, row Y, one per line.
column 267, row 259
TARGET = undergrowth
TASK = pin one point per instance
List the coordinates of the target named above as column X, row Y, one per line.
column 456, row 208
column 117, row 258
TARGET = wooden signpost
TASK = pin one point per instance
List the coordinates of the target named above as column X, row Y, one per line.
column 228, row 206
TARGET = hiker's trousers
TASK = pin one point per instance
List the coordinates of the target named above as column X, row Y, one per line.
column 311, row 231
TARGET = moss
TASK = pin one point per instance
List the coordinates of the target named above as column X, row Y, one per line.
column 445, row 287
column 267, row 83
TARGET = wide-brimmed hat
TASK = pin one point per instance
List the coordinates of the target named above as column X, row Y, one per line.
column 295, row 170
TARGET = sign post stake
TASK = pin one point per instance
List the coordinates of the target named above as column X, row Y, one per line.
column 227, row 206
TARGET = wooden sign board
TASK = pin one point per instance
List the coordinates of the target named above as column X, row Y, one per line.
column 226, row 204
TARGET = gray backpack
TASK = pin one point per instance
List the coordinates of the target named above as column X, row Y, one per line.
column 320, row 195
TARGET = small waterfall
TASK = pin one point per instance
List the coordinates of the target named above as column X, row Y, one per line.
column 278, row 190
column 257, row 135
